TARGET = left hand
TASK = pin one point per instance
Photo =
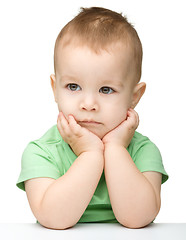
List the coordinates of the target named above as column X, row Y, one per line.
column 124, row 132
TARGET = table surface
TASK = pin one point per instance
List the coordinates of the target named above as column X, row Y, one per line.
column 96, row 231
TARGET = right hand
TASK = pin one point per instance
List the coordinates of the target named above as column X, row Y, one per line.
column 79, row 138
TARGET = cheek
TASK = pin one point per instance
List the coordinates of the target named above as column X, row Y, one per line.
column 65, row 106
column 117, row 115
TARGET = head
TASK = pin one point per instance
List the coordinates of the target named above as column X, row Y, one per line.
column 97, row 64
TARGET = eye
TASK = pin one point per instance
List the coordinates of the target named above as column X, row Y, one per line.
column 106, row 90
column 73, row 87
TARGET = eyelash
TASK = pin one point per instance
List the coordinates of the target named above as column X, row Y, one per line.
column 108, row 88
column 70, row 85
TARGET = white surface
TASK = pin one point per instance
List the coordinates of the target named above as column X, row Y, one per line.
column 110, row 231
column 28, row 110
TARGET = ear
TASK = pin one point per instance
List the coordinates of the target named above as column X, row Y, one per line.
column 53, row 85
column 138, row 92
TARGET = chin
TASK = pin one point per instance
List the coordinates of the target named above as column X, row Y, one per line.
column 98, row 134
column 101, row 136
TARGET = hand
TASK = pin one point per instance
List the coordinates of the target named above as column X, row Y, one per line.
column 124, row 132
column 79, row 138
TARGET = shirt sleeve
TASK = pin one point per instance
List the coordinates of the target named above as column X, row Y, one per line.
column 148, row 158
column 36, row 162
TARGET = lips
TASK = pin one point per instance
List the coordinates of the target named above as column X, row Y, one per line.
column 89, row 122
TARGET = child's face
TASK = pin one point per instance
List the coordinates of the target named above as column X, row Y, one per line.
column 95, row 88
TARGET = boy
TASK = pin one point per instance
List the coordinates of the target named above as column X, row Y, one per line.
column 93, row 166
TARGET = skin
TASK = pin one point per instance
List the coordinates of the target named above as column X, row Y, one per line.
column 96, row 95
column 89, row 73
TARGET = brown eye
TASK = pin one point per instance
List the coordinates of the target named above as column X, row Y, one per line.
column 106, row 90
column 73, row 87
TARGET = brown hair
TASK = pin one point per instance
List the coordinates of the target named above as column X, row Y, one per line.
column 97, row 28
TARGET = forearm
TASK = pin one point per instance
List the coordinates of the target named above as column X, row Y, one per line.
column 132, row 196
column 67, row 198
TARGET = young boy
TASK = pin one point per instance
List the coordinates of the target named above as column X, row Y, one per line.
column 93, row 166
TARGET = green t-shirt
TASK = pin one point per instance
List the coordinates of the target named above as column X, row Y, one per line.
column 51, row 157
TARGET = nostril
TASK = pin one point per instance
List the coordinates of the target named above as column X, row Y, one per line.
column 89, row 108
column 88, row 105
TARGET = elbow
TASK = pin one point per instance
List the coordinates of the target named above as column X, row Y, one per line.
column 52, row 219
column 137, row 221
column 54, row 222
column 55, row 225
column 133, row 224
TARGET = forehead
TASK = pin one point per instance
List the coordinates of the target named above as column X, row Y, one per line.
column 117, row 53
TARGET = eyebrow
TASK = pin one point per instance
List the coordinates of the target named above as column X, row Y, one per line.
column 111, row 82
column 67, row 77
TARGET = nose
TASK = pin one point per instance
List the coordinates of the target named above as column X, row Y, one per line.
column 89, row 103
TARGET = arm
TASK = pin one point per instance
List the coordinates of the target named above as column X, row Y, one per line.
column 134, row 196
column 60, row 203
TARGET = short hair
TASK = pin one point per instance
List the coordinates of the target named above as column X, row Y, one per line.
column 98, row 28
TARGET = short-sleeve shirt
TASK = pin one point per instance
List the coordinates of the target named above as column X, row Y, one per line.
column 50, row 156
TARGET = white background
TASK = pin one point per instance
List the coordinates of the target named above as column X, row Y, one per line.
column 28, row 30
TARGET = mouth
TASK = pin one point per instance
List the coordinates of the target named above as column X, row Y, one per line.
column 89, row 122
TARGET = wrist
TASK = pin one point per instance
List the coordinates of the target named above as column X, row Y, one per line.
column 113, row 152
column 113, row 145
column 95, row 155
column 78, row 148
column 93, row 152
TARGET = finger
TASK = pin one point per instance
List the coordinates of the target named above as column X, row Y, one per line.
column 59, row 126
column 130, row 112
column 136, row 116
column 64, row 124
column 133, row 115
column 63, row 120
column 76, row 128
